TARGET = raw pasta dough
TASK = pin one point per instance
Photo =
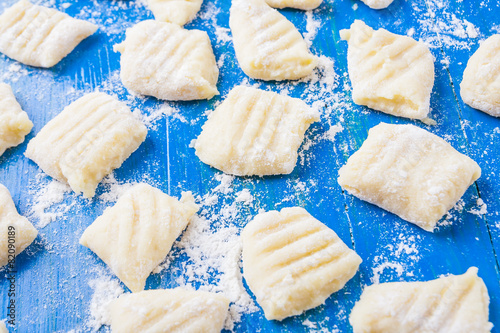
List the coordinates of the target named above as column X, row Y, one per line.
column 480, row 87
column 169, row 310
column 168, row 62
column 255, row 132
column 293, row 262
column 267, row 45
column 390, row 73
column 24, row 232
column 40, row 36
column 409, row 172
column 299, row 4
column 377, row 4
column 86, row 141
column 14, row 122
column 175, row 11
column 451, row 304
column 135, row 235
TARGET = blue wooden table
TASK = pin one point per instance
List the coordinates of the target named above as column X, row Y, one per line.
column 56, row 276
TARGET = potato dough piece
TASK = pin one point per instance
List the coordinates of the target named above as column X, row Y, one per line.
column 377, row 4
column 135, row 235
column 14, row 122
column 168, row 62
column 451, row 304
column 3, row 328
column 299, row 4
column 40, row 36
column 175, row 11
column 169, row 310
column 480, row 87
column 255, row 132
column 267, row 45
column 86, row 141
column 409, row 172
column 390, row 73
column 293, row 262
column 10, row 219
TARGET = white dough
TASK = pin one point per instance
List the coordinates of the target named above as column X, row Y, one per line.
column 390, row 73
column 409, row 172
column 377, row 4
column 267, row 45
column 40, row 36
column 451, row 304
column 169, row 310
column 134, row 236
column 255, row 132
column 293, row 262
column 168, row 62
column 14, row 122
column 86, row 141
column 480, row 87
column 175, row 11
column 3, row 328
column 299, row 4
column 14, row 225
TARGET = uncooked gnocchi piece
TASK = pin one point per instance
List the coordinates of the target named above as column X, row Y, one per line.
column 390, row 73
column 175, row 11
column 168, row 62
column 40, row 36
column 14, row 229
column 480, row 87
column 255, row 132
column 134, row 236
column 377, row 4
column 299, row 4
column 14, row 122
column 3, row 328
column 293, row 262
column 267, row 45
column 451, row 304
column 86, row 141
column 169, row 310
column 409, row 172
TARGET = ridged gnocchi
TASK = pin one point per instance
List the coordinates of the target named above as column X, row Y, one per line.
column 85, row 142
column 293, row 262
column 175, row 11
column 409, row 172
column 168, row 62
column 134, row 236
column 255, row 132
column 40, row 36
column 390, row 73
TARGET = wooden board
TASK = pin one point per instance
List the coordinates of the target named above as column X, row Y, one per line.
column 53, row 291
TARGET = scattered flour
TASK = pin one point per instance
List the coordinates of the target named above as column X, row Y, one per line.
column 379, row 269
column 106, row 289
column 482, row 208
column 312, row 27
column 114, row 189
column 48, row 195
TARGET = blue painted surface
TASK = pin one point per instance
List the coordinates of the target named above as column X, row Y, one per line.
column 53, row 274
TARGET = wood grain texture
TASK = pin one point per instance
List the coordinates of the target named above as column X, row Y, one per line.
column 53, row 274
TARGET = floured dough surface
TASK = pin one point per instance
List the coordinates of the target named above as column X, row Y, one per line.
column 480, row 87
column 390, row 73
column 267, row 45
column 168, row 62
column 134, row 236
column 292, row 262
column 255, row 132
column 451, row 304
column 377, row 4
column 14, row 122
column 175, row 11
column 14, row 225
column 40, row 36
column 299, row 4
column 409, row 172
column 86, row 141
column 169, row 310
